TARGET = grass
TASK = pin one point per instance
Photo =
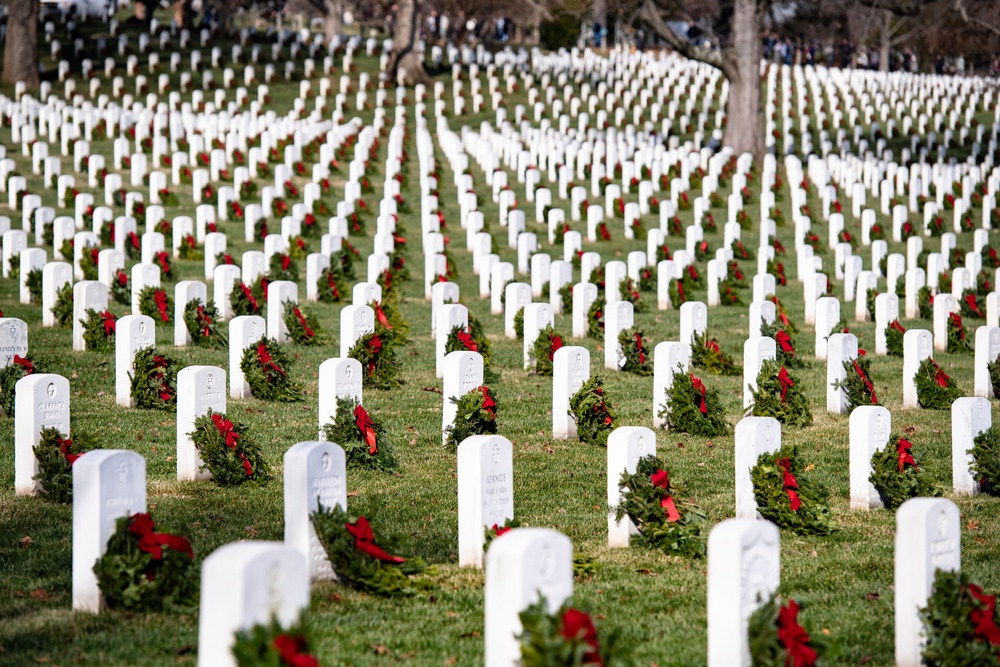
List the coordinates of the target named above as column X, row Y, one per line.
column 846, row 579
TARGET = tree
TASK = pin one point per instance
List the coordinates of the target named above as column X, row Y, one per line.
column 20, row 54
column 406, row 65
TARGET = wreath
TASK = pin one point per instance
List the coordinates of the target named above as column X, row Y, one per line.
column 970, row 305
column 297, row 248
column 785, row 348
column 647, row 280
column 203, row 323
column 121, row 288
column 776, row 638
column 303, row 327
column 244, row 301
column 566, row 297
column 282, row 267
column 857, row 383
column 56, row 455
column 595, row 319
column 156, row 303
column 364, row 440
column 706, row 354
column 925, row 303
column 786, row 497
column 894, row 338
column 331, row 285
column 154, row 380
column 628, row 290
column 142, row 570
column 476, row 414
column 132, row 245
column 387, row 316
column 266, row 368
column 162, row 259
column 634, row 358
column 983, row 284
column 986, row 460
column 490, row 533
column 228, row 452
column 779, row 395
column 18, row 368
column 99, row 330
column 959, row 623
column 377, row 354
column 33, row 281
column 693, row 408
column 544, row 349
column 936, row 390
column 567, row 637
column 519, row 324
column 786, row 322
column 595, row 418
column 653, row 503
column 897, row 474
column 260, row 230
column 362, row 564
column 677, row 291
column 993, row 368
column 343, row 259
column 958, row 341
column 274, row 646
column 62, row 309
column 473, row 339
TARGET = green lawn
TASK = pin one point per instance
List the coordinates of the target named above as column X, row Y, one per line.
column 846, row 579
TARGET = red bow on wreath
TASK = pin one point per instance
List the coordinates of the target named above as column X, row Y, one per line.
column 161, row 362
column 364, row 424
column 785, row 341
column 291, row 650
column 680, row 291
column 699, row 387
column 229, row 434
column 864, row 378
column 786, row 382
column 896, row 326
column 204, row 320
column 661, row 480
column 713, row 347
column 108, row 320
column 264, row 357
column 364, row 540
column 374, row 346
column 940, row 376
column 578, row 625
column 555, row 343
column 24, row 363
column 970, row 301
column 64, row 446
column 152, row 543
column 302, row 320
column 488, row 403
column 903, row 451
column 790, row 484
column 162, row 258
column 250, row 297
column 794, row 637
column 333, row 285
column 986, row 627
column 466, row 340
column 499, row 530
column 160, row 297
column 380, row 314
column 638, row 344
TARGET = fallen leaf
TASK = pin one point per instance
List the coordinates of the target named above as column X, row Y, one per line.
column 184, row 650
column 872, row 597
column 352, row 494
column 826, row 631
column 100, row 393
column 25, row 541
column 466, row 635
column 40, row 594
column 335, row 598
column 251, row 531
column 379, row 649
column 434, row 390
column 647, row 572
column 810, row 467
column 972, row 525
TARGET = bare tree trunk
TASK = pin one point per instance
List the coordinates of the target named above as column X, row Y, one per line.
column 744, row 124
column 885, row 41
column 20, row 55
column 334, row 15
column 407, row 64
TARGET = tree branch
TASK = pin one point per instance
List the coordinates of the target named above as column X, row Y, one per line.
column 986, row 25
column 897, row 7
column 708, row 56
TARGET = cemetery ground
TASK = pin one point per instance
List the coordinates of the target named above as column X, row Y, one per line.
column 845, row 580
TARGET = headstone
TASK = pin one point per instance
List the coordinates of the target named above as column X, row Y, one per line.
column 570, row 369
column 886, row 311
column 694, row 320
column 870, row 426
column 132, row 333
column 827, row 317
column 618, row 317
column 463, row 372
column 669, row 357
column 87, row 294
column 755, row 350
column 626, row 445
column 199, row 389
column 754, row 436
column 987, row 351
column 41, row 400
column 54, row 276
column 970, row 416
column 184, row 292
column 244, row 331
column 916, row 348
column 355, row 322
column 485, row 492
column 584, row 295
column 449, row 317
column 944, row 306
column 315, row 475
column 537, row 316
column 842, row 347
column 338, row 378
column 13, row 339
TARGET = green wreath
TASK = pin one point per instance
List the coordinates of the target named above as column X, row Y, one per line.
column 331, row 286
column 993, row 368
column 776, row 638
column 156, row 303
column 786, row 322
column 568, row 637
column 519, row 323
column 652, row 501
column 303, row 326
column 379, row 363
column 274, row 646
column 473, row 339
column 986, row 460
column 387, row 316
column 894, row 338
column 189, row 249
column 858, row 384
column 898, row 474
column 786, row 497
column 89, row 262
column 244, row 301
column 99, row 330
column 634, row 352
column 360, row 563
column 228, row 452
column 693, row 408
column 936, row 390
column 958, row 341
column 925, row 303
column 628, row 290
column 544, row 349
column 595, row 417
column 33, row 282
column 677, row 292
column 365, row 441
column 142, row 570
column 204, row 324
column 121, row 288
column 266, row 368
column 595, row 319
column 971, row 306
column 162, row 259
column 475, row 414
column 56, row 455
column 706, row 354
column 728, row 296
column 955, row 611
column 566, row 297
column 282, row 267
column 10, row 374
column 154, row 380
column 490, row 533
column 62, row 309
column 785, row 352
column 779, row 395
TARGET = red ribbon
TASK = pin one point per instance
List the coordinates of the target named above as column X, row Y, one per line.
column 25, row 363
column 790, row 484
column 152, row 543
column 578, row 625
column 785, row 341
column 374, row 347
column 638, row 344
column 699, row 387
column 794, row 637
column 204, row 321
column 786, row 382
column 903, row 450
column 160, row 297
column 109, row 322
column 122, row 278
column 466, row 340
column 488, row 403
column 302, row 320
column 970, row 301
column 364, row 424
column 333, row 285
column 986, row 627
column 134, row 238
column 499, row 530
column 249, row 295
column 162, row 257
column 940, row 376
column 555, row 343
column 291, row 650
column 264, row 357
column 64, row 446
column 896, row 326
column 286, row 261
column 229, row 434
column 380, row 314
column 161, row 362
column 364, row 540
column 661, row 480
column 864, row 378
column 680, row 291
